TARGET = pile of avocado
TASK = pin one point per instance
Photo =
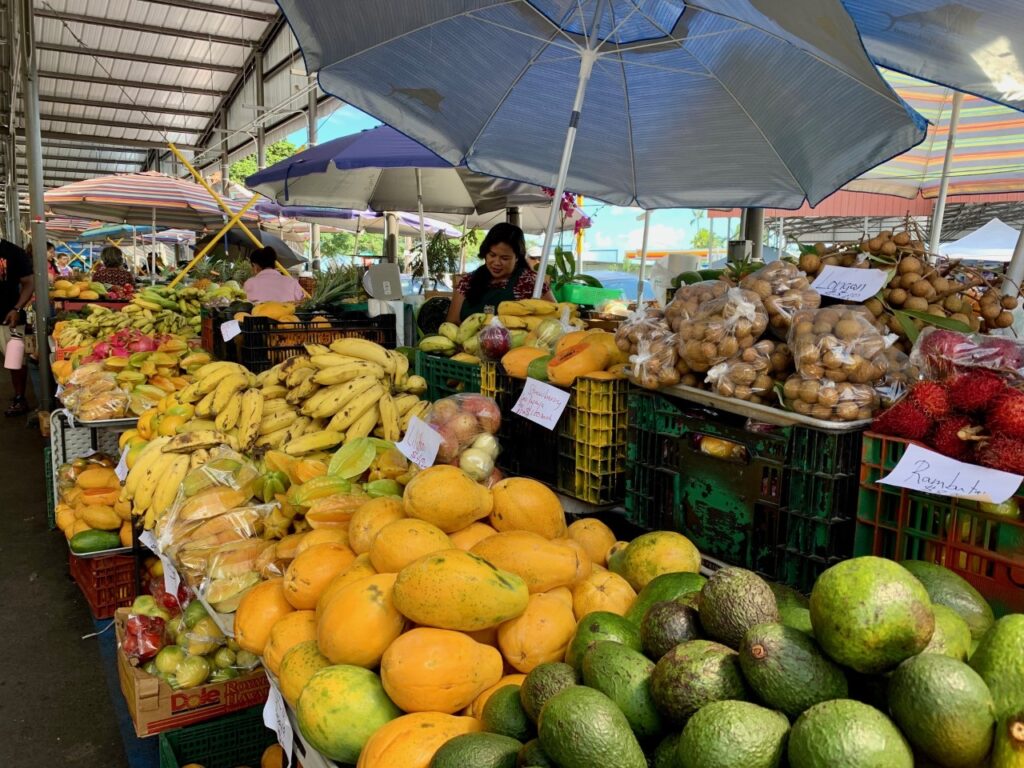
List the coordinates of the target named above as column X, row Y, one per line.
column 887, row 665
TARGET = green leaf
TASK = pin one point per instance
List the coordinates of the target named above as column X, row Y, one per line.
column 590, row 280
column 805, row 248
column 939, row 322
column 908, row 326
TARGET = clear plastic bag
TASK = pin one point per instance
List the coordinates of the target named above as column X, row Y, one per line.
column 752, row 374
column 688, row 298
column 495, row 340
column 463, row 421
column 655, row 362
column 829, row 400
column 940, row 353
column 721, row 328
column 784, row 289
column 637, row 326
column 839, row 343
column 899, row 376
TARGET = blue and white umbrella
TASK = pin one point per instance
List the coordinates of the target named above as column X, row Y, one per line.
column 655, row 103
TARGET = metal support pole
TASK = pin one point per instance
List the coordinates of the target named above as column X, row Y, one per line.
column 423, row 230
column 643, row 261
column 224, row 153
column 512, row 216
column 754, row 231
column 261, row 131
column 391, row 237
column 934, row 237
column 312, row 115
column 34, row 156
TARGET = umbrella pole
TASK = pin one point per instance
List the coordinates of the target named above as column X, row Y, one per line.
column 643, row 260
column 152, row 258
column 462, row 245
column 587, row 59
column 355, row 247
column 423, row 230
column 235, row 217
column 940, row 203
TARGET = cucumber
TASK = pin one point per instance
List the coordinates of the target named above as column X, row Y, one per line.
column 87, row 542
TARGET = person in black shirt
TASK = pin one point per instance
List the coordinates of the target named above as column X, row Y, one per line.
column 16, row 289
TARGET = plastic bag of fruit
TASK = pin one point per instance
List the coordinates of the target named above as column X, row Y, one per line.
column 495, row 340
column 467, row 424
column 752, row 374
column 655, row 363
column 688, row 298
column 145, row 630
column 940, row 353
column 722, row 328
column 899, row 376
column 784, row 289
column 829, row 400
column 839, row 343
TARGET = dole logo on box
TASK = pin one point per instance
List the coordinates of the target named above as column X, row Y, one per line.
column 206, row 697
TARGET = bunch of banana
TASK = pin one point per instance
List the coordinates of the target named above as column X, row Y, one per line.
column 527, row 314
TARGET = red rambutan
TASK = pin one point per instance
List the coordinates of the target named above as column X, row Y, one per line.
column 975, row 390
column 1005, row 416
column 932, row 397
column 1005, row 453
column 945, row 438
column 904, row 419
column 1000, row 352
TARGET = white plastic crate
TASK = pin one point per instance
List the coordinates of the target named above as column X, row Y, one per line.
column 71, row 442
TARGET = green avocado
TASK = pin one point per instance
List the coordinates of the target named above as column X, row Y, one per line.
column 787, row 596
column 1008, row 749
column 600, row 625
column 694, row 674
column 665, row 753
column 582, row 728
column 532, row 756
column 733, row 734
column 951, row 590
column 999, row 660
column 504, row 714
column 666, row 625
column 787, row 670
column 733, row 601
column 796, row 617
column 847, row 734
column 668, row 586
column 952, row 636
column 480, row 750
column 624, row 675
column 944, row 709
column 543, row 682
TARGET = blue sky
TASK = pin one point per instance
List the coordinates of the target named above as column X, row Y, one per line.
column 613, row 226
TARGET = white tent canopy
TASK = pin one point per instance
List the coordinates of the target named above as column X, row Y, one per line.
column 993, row 241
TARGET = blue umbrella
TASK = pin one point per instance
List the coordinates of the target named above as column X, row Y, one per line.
column 733, row 102
column 113, row 232
column 975, row 46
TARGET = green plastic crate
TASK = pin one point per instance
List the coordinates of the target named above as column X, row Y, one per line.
column 447, row 377
column 238, row 739
column 586, row 294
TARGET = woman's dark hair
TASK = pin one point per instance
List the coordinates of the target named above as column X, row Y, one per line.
column 506, row 233
column 112, row 257
column 264, row 258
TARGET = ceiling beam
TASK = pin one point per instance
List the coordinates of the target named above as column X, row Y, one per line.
column 140, row 126
column 194, row 5
column 92, row 165
column 105, row 140
column 153, row 29
column 127, row 106
column 137, row 58
column 78, row 146
column 83, row 159
column 149, row 86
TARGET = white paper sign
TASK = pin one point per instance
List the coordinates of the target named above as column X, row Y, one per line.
column 541, row 403
column 121, row 470
column 171, row 577
column 275, row 717
column 420, row 444
column 849, row 284
column 230, row 329
column 930, row 472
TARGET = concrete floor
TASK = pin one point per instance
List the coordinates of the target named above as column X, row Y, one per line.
column 55, row 707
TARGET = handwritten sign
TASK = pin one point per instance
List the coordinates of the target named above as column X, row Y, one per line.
column 541, row 403
column 171, row 577
column 420, row 444
column 275, row 717
column 230, row 329
column 121, row 470
column 849, row 284
column 930, row 472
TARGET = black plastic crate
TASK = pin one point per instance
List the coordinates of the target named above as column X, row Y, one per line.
column 210, row 336
column 265, row 342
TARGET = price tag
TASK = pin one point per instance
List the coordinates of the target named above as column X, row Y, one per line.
column 420, row 444
column 541, row 403
column 121, row 470
column 931, row 472
column 230, row 329
column 171, row 577
column 849, row 284
column 275, row 717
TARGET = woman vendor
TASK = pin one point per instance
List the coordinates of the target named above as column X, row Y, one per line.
column 504, row 275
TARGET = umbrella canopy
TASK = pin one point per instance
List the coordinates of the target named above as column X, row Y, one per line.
column 171, row 236
column 64, row 226
column 533, row 219
column 988, row 152
column 376, row 169
column 132, row 198
column 970, row 45
column 285, row 255
column 113, row 232
column 993, row 241
column 734, row 102
column 348, row 220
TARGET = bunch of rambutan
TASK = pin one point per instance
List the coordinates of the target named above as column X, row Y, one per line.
column 973, row 416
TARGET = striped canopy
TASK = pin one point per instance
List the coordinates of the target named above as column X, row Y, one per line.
column 131, row 198
column 62, row 226
column 989, row 147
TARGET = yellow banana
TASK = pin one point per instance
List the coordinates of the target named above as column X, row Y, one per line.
column 320, row 441
column 298, row 376
column 339, row 374
column 404, row 402
column 149, row 455
column 156, row 472
column 276, row 421
column 190, row 394
column 389, row 418
column 275, row 406
column 297, row 428
column 355, row 408
column 191, row 441
column 204, row 408
column 341, row 396
column 228, row 418
column 315, row 425
column 168, row 485
column 330, row 359
column 198, row 458
column 228, row 387
column 209, row 383
column 293, row 364
column 301, row 391
column 316, row 349
column 365, row 350
column 401, row 364
column 274, row 392
column 273, row 439
column 416, row 410
column 416, row 385
column 216, row 365
column 249, row 418
column 364, row 425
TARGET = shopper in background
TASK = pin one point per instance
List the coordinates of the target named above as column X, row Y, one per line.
column 16, row 289
column 112, row 270
column 504, row 276
column 267, row 284
column 52, row 266
column 533, row 257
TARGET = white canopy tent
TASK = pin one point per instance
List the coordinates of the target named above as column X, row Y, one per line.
column 993, row 241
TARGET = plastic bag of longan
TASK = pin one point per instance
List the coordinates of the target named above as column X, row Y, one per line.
column 784, row 289
column 637, row 326
column 722, row 328
column 653, row 365
column 829, row 400
column 688, row 298
column 751, row 374
column 839, row 343
column 900, row 374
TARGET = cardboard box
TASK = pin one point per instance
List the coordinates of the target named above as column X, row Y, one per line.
column 154, row 706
